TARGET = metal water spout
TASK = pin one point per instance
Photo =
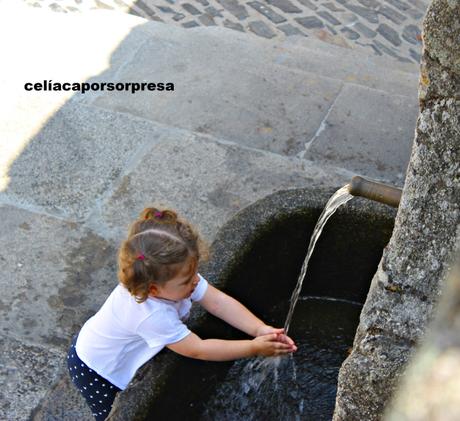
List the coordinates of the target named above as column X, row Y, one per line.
column 374, row 190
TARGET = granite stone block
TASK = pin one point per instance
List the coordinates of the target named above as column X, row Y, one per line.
column 310, row 22
column 236, row 9
column 389, row 33
column 392, row 14
column 330, row 18
column 309, row 4
column 285, row 5
column 261, row 29
column 267, row 12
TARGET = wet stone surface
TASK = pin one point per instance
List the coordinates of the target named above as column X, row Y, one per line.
column 393, row 23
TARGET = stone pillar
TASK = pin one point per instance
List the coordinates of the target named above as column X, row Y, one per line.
column 405, row 289
column 430, row 389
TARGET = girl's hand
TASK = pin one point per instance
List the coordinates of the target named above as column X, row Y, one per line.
column 266, row 329
column 271, row 345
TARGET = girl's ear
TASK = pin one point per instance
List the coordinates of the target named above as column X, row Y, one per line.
column 153, row 290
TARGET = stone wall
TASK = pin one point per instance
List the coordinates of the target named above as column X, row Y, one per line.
column 405, row 290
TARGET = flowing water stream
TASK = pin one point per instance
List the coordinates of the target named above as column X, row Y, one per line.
column 340, row 197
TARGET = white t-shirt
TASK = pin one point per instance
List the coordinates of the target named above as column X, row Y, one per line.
column 124, row 334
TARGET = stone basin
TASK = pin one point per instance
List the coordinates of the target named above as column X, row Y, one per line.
column 256, row 257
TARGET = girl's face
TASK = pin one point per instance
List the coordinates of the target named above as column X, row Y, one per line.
column 182, row 285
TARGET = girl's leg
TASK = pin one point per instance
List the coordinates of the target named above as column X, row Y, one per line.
column 98, row 392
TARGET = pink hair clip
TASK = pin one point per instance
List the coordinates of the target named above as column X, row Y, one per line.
column 140, row 257
column 158, row 214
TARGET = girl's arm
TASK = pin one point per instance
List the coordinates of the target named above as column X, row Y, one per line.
column 236, row 314
column 230, row 310
column 223, row 350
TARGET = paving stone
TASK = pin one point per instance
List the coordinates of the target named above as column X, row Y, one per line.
column 349, row 33
column 206, row 20
column 412, row 34
column 232, row 25
column 213, row 108
column 290, row 30
column 309, row 4
column 54, row 282
column 57, row 8
column 285, row 5
column 165, row 9
column 234, row 8
column 419, row 4
column 392, row 14
column 157, row 19
column 371, row 4
column 333, row 8
column 415, row 55
column 310, row 22
column 389, row 33
column 415, row 13
column 379, row 142
column 135, row 12
column 327, row 16
column 62, row 401
column 365, row 30
column 385, row 49
column 145, row 8
column 398, row 4
column 368, row 14
column 376, row 50
column 191, row 9
column 267, row 12
column 213, row 12
column 26, row 371
column 348, row 18
column 261, row 29
column 191, row 24
column 203, row 2
column 208, row 194
column 92, row 145
column 331, row 30
column 178, row 16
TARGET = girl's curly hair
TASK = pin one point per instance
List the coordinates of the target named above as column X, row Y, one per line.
column 158, row 244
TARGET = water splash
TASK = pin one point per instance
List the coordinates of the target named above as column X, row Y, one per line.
column 293, row 387
column 263, row 388
column 339, row 198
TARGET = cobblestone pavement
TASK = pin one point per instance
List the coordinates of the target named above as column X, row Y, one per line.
column 384, row 27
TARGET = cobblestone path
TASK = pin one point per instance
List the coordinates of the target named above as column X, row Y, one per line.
column 383, row 27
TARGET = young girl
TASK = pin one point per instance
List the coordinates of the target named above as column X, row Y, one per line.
column 145, row 312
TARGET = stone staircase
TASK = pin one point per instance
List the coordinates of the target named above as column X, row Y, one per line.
column 248, row 117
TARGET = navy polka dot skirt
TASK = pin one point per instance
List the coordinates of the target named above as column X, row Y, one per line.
column 98, row 392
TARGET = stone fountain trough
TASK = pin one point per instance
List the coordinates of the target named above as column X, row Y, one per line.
column 256, row 257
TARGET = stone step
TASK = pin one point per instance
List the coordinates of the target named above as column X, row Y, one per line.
column 230, row 86
column 367, row 132
column 295, row 51
column 232, row 96
column 73, row 165
column 360, row 53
